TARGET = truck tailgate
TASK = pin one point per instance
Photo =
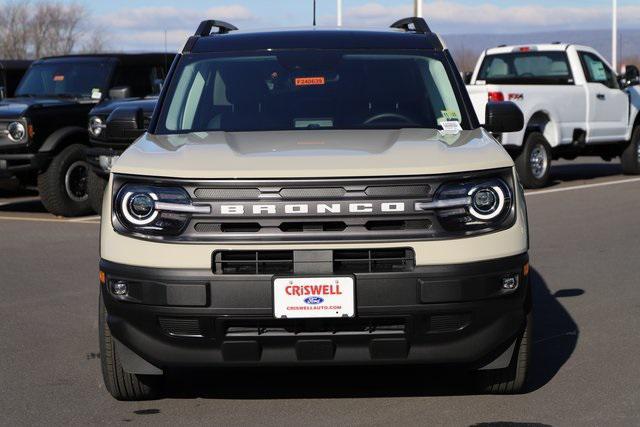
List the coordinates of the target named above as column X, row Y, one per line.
column 479, row 96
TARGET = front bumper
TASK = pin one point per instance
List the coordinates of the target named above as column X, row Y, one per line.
column 450, row 314
column 96, row 157
column 12, row 163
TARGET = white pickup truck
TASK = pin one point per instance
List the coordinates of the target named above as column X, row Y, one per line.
column 574, row 104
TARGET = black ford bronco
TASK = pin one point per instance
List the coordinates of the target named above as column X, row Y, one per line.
column 112, row 128
column 43, row 128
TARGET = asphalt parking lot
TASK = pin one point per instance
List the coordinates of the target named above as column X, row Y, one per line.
column 584, row 249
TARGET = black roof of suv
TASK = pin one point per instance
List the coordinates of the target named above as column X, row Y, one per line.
column 410, row 33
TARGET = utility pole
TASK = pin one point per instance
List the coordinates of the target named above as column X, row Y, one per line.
column 614, row 37
column 417, row 8
column 314, row 13
column 339, row 13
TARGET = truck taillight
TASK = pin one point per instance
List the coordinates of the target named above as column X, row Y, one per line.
column 496, row 97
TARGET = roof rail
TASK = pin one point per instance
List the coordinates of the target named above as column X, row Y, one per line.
column 205, row 27
column 419, row 25
column 204, row 30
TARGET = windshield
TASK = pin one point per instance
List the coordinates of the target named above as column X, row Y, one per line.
column 526, row 68
column 311, row 89
column 78, row 78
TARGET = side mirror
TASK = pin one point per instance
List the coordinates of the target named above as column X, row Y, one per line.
column 631, row 75
column 503, row 117
column 126, row 123
column 467, row 77
column 120, row 92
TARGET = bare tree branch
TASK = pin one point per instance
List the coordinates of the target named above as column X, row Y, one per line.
column 33, row 29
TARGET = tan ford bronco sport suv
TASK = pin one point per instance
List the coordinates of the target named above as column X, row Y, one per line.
column 315, row 197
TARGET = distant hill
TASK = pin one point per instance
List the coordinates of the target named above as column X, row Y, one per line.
column 465, row 46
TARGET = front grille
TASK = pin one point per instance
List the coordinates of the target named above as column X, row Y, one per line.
column 227, row 193
column 181, row 327
column 331, row 210
column 253, row 328
column 343, row 261
column 373, row 261
column 253, row 262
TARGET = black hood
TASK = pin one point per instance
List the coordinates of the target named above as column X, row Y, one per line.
column 13, row 108
column 147, row 105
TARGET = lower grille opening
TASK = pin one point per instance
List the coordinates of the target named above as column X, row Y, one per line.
column 181, row 327
column 443, row 323
column 253, row 262
column 282, row 327
column 398, row 225
column 373, row 261
column 227, row 227
column 240, row 227
column 298, row 227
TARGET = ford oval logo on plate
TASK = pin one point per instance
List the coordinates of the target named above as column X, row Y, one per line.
column 313, row 300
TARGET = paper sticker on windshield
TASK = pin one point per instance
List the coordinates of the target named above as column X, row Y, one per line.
column 310, row 81
column 450, row 116
column 96, row 94
column 450, row 128
column 58, row 78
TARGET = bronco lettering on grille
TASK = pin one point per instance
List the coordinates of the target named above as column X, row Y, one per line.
column 311, row 209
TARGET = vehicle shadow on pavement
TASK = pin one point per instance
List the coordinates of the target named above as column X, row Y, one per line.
column 555, row 333
column 568, row 172
column 555, row 336
column 14, row 198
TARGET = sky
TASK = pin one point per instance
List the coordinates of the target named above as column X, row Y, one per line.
column 141, row 24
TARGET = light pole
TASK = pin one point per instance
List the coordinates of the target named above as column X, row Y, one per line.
column 614, row 37
column 339, row 13
column 417, row 8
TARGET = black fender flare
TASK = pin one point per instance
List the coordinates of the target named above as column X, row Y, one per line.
column 57, row 138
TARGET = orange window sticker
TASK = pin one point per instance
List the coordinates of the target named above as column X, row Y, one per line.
column 58, row 78
column 310, row 81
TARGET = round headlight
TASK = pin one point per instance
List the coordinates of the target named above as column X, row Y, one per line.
column 95, row 126
column 139, row 208
column 487, row 202
column 17, row 132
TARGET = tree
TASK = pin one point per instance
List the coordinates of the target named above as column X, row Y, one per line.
column 46, row 28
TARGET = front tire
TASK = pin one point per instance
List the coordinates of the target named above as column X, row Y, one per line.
column 63, row 186
column 121, row 384
column 630, row 157
column 510, row 380
column 533, row 164
column 95, row 188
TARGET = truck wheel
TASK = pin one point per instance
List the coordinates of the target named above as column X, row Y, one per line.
column 534, row 161
column 63, row 186
column 95, row 188
column 630, row 157
column 512, row 379
column 121, row 384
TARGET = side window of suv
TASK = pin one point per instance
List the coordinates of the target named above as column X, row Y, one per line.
column 597, row 71
column 144, row 80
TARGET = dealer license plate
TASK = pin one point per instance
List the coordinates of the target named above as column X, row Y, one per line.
column 313, row 297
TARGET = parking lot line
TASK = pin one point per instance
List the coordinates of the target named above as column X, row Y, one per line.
column 85, row 218
column 34, row 219
column 582, row 187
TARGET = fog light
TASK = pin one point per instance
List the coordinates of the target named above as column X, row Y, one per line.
column 510, row 283
column 119, row 288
